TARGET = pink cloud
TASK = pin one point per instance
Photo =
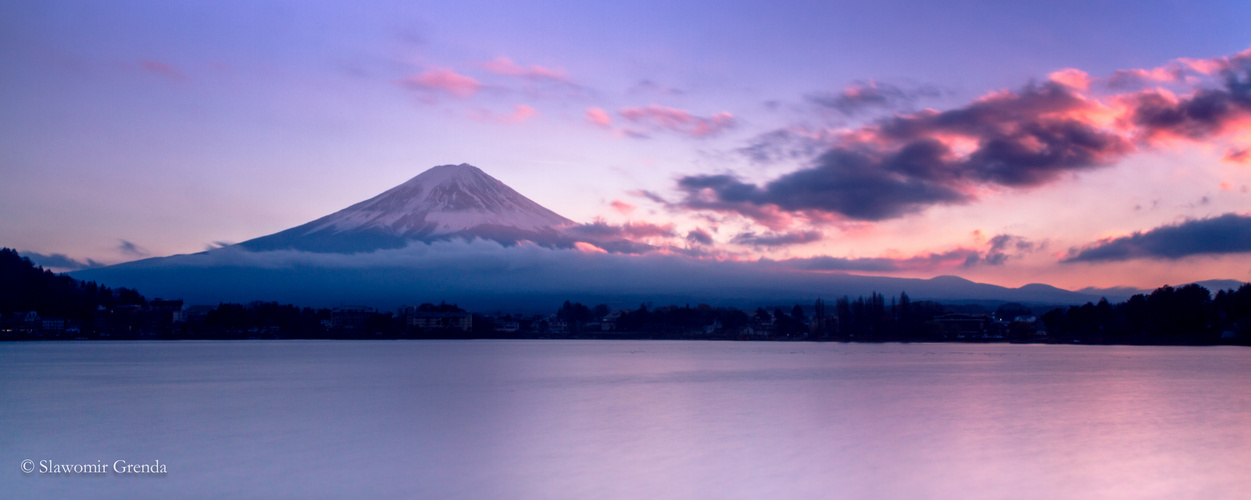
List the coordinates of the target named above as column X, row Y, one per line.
column 521, row 113
column 664, row 118
column 585, row 247
column 1074, row 78
column 162, row 69
column 1182, row 70
column 598, row 117
column 505, row 66
column 1238, row 156
column 443, row 80
column 622, row 207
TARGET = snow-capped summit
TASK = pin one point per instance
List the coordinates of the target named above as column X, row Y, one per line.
column 445, row 202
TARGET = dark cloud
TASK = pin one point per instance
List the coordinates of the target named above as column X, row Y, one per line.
column 861, row 96
column 777, row 239
column 906, row 163
column 901, row 166
column 132, row 249
column 1226, row 234
column 1206, row 113
column 862, row 186
column 699, row 236
column 59, row 261
column 1002, row 248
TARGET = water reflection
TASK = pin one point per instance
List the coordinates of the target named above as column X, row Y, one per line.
column 601, row 419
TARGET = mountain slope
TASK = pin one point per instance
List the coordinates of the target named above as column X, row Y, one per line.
column 443, row 203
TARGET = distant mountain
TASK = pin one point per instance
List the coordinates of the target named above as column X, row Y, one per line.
column 443, row 203
column 1218, row 285
column 1122, row 293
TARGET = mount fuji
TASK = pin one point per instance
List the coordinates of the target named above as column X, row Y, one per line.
column 444, row 203
column 455, row 233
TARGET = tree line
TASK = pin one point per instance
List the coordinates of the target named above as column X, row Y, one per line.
column 25, row 286
column 1186, row 315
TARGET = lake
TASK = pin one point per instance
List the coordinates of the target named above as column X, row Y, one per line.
column 624, row 419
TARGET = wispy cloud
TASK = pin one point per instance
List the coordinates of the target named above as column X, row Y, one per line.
column 862, row 96
column 520, row 114
column 1002, row 248
column 788, row 144
column 505, row 66
column 164, row 70
column 995, row 252
column 633, row 230
column 598, row 117
column 777, row 239
column 443, row 80
column 59, row 261
column 646, row 86
column 925, row 262
column 132, row 250
column 664, row 119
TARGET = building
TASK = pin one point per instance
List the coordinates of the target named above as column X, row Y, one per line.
column 422, row 318
column 963, row 326
column 350, row 317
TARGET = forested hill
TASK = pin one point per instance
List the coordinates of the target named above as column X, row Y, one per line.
column 25, row 287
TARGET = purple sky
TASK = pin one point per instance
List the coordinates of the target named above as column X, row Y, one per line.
column 1073, row 143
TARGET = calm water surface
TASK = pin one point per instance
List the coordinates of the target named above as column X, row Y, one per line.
column 628, row 419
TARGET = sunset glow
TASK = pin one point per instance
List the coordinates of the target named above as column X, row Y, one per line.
column 1077, row 153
